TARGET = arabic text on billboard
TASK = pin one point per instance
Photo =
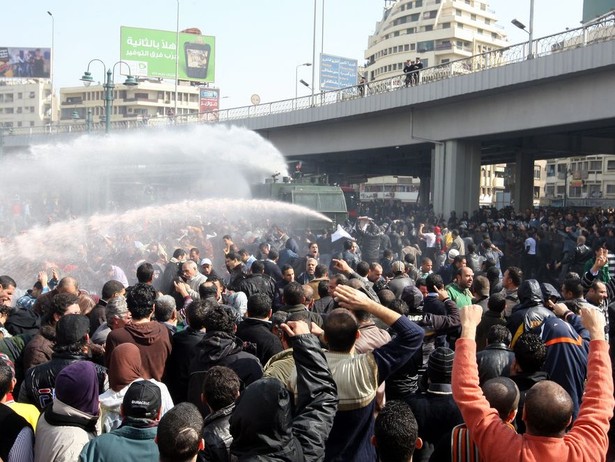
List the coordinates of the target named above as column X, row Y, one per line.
column 151, row 53
column 337, row 72
column 25, row 63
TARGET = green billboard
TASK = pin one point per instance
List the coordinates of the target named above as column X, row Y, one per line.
column 152, row 53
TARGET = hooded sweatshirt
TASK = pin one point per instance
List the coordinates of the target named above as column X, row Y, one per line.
column 153, row 340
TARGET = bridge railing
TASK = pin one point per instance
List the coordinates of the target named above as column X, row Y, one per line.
column 601, row 29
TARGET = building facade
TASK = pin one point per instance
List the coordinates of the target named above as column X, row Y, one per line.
column 146, row 102
column 437, row 31
column 25, row 103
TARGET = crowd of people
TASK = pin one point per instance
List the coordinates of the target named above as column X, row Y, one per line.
column 404, row 336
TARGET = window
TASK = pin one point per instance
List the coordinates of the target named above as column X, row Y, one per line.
column 425, row 46
column 32, row 95
column 445, row 60
column 446, row 25
column 430, row 14
column 428, row 28
column 418, row 3
column 460, row 25
column 8, row 110
column 575, row 191
column 487, row 21
column 9, row 98
column 19, row 110
column 479, row 31
column 32, row 123
column 560, row 190
column 473, row 17
column 19, row 95
column 406, row 47
column 414, row 17
column 411, row 30
column 550, row 190
column 610, row 189
column 458, row 13
column 413, row 47
column 610, row 165
column 595, row 165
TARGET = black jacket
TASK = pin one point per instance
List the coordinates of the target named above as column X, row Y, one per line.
column 39, row 382
column 257, row 284
column 530, row 308
column 494, row 361
column 217, row 436
column 177, row 369
column 220, row 349
column 258, row 331
column 263, row 426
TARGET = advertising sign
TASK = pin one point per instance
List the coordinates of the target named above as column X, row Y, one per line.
column 337, row 72
column 209, row 101
column 25, row 63
column 152, row 53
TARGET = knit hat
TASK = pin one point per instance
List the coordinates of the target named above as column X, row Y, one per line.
column 440, row 365
column 142, row 400
column 453, row 253
column 77, row 386
column 71, row 328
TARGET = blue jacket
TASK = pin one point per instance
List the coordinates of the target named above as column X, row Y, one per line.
column 126, row 444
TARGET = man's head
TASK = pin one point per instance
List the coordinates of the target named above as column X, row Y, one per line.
column 189, row 270
column 503, row 395
column 512, row 278
column 465, row 277
column 112, row 289
column 72, row 334
column 7, row 379
column 273, row 255
column 341, row 329
column 231, row 260
column 180, row 255
column 179, row 434
column 61, row 305
column 221, row 387
column 293, row 294
column 426, row 265
column 165, row 310
column 572, row 288
column 499, row 334
column 434, row 282
column 321, row 271
column 68, row 285
column 196, row 313
column 142, row 401
column 547, row 410
column 145, row 273
column 140, row 299
column 116, row 313
column 313, row 250
column 264, row 248
column 206, row 266
column 288, row 273
column 218, row 319
column 259, row 306
column 597, row 293
column 530, row 353
column 336, row 280
column 7, row 289
column 480, row 287
column 375, row 272
column 496, row 303
column 396, row 433
column 195, row 254
column 310, row 266
column 440, row 365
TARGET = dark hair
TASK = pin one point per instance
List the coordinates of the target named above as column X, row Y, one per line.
column 396, row 432
column 258, row 267
column 496, row 302
column 232, row 256
column 178, row 253
column 515, row 275
column 110, row 288
column 227, row 236
column 573, row 286
column 323, row 289
column 140, row 299
column 6, row 377
column 340, row 328
column 362, row 268
column 179, row 433
column 218, row 319
column 386, row 297
column 321, row 270
column 433, row 282
column 410, row 258
column 7, row 281
column 348, row 244
column 259, row 306
column 195, row 313
column 208, row 290
column 285, row 268
column 273, row 254
column 293, row 293
column 243, row 252
column 145, row 272
column 502, row 394
column 220, row 387
column 530, row 352
column 399, row 306
column 60, row 303
column 499, row 334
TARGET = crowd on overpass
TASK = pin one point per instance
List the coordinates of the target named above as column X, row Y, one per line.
column 396, row 335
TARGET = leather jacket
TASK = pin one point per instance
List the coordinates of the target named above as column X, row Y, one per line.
column 494, row 361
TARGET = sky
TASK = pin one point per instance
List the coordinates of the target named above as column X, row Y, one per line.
column 259, row 43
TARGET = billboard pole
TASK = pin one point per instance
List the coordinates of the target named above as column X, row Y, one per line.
column 176, row 57
column 314, row 54
column 52, row 59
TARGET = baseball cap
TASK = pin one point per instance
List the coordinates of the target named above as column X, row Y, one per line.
column 398, row 267
column 453, row 253
column 71, row 328
column 205, row 261
column 142, row 400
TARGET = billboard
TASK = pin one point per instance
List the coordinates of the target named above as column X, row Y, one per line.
column 209, row 103
column 151, row 53
column 25, row 63
column 337, row 72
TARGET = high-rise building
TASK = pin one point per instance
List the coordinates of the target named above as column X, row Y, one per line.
column 437, row 31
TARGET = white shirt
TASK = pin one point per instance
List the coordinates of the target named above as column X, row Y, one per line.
column 530, row 246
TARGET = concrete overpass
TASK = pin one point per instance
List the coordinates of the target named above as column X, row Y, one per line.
column 492, row 108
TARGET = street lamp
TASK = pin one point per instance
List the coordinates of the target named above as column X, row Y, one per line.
column 297, row 78
column 530, row 30
column 52, row 58
column 108, row 86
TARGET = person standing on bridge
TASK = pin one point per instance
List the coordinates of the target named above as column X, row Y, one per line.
column 418, row 65
column 408, row 68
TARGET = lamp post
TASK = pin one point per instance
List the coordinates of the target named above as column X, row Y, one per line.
column 176, row 55
column 88, row 121
column 53, row 52
column 529, row 31
column 108, row 86
column 297, row 78
column 314, row 53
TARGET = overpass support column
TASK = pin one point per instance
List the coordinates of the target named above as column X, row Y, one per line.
column 455, row 177
column 523, row 193
column 424, row 191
